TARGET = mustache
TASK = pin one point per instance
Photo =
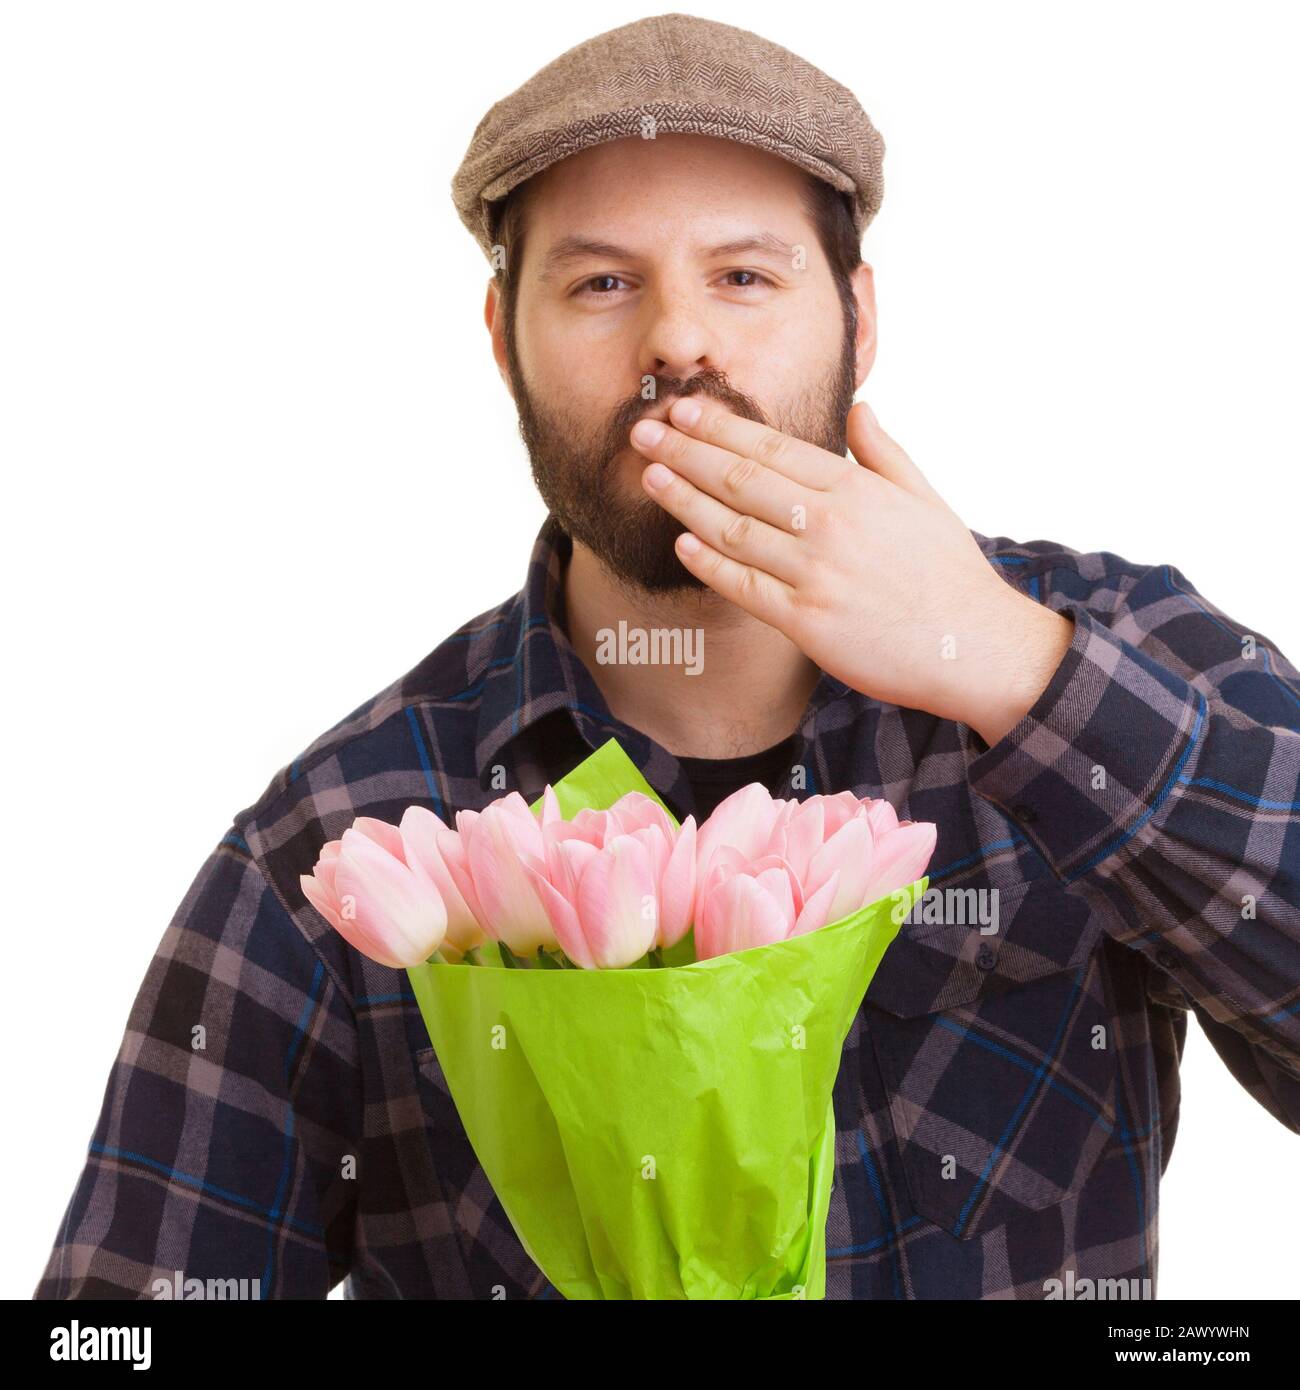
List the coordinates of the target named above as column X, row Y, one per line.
column 709, row 381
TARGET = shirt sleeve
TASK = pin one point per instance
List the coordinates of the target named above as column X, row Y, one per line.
column 232, row 1106
column 1161, row 765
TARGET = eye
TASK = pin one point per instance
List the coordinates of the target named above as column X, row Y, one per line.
column 586, row 286
column 755, row 277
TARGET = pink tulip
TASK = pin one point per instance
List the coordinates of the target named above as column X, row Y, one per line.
column 868, row 856
column 503, row 853
column 365, row 889
column 743, row 821
column 672, row 851
column 426, row 842
column 745, row 903
column 675, row 861
column 602, row 903
column 901, row 858
column 635, row 811
column 845, row 859
column 632, row 811
column 521, row 876
column 610, row 885
column 843, row 852
column 609, row 903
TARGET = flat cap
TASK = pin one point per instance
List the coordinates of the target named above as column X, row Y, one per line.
column 671, row 73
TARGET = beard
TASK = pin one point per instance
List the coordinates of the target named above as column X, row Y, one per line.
column 577, row 469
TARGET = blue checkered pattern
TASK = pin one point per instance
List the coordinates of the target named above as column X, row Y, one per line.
column 1007, row 1102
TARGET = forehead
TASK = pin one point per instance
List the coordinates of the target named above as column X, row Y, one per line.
column 628, row 184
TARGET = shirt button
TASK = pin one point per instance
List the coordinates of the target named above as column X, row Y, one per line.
column 1024, row 814
column 986, row 958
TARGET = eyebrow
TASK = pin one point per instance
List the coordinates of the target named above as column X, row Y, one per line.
column 574, row 248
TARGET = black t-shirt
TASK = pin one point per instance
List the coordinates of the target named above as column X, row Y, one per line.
column 711, row 779
column 714, row 779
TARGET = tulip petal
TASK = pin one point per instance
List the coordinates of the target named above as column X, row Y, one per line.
column 321, row 899
column 564, row 920
column 817, row 910
column 722, row 863
column 677, row 887
column 325, row 865
column 550, row 807
column 739, row 913
column 742, row 821
column 422, row 833
column 882, row 817
column 901, row 858
column 774, row 861
column 616, row 887
column 499, row 849
column 590, row 831
column 850, row 852
column 839, row 808
column 398, row 918
column 454, row 852
column 526, row 830
column 385, row 835
column 635, row 811
column 802, row 835
column 779, row 883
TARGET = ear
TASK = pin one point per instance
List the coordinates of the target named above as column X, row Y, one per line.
column 494, row 317
column 864, row 293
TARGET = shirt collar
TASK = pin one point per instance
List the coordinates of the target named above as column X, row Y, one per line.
column 533, row 669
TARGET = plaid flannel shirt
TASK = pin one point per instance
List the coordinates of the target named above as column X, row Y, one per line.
column 1007, row 1101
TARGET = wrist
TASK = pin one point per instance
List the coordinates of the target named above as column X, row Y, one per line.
column 1033, row 642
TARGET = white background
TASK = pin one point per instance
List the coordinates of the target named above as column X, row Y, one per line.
column 258, row 460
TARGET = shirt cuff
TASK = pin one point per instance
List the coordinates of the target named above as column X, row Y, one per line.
column 1098, row 754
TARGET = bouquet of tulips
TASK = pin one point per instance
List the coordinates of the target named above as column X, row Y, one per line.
column 640, row 1022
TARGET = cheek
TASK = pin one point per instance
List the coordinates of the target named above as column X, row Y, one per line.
column 584, row 357
column 813, row 337
column 781, row 351
column 580, row 372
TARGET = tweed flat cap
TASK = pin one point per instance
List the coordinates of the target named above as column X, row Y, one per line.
column 677, row 73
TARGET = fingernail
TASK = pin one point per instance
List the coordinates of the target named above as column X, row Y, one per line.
column 647, row 432
column 658, row 476
column 687, row 543
column 684, row 412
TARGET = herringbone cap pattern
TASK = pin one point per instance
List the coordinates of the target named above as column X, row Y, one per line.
column 671, row 73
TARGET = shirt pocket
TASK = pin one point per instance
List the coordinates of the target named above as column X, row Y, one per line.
column 997, row 1057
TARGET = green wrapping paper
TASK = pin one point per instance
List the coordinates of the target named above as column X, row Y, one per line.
column 660, row 1132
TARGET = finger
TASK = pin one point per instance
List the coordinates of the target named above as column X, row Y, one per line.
column 734, row 479
column 796, row 459
column 875, row 450
column 769, row 599
column 742, row 537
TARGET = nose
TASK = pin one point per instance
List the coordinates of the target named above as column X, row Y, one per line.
column 678, row 338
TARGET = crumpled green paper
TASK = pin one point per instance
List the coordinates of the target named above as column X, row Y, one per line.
column 660, row 1132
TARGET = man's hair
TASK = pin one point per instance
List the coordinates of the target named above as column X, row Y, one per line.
column 826, row 206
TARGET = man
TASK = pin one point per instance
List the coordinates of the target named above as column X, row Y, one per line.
column 674, row 212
